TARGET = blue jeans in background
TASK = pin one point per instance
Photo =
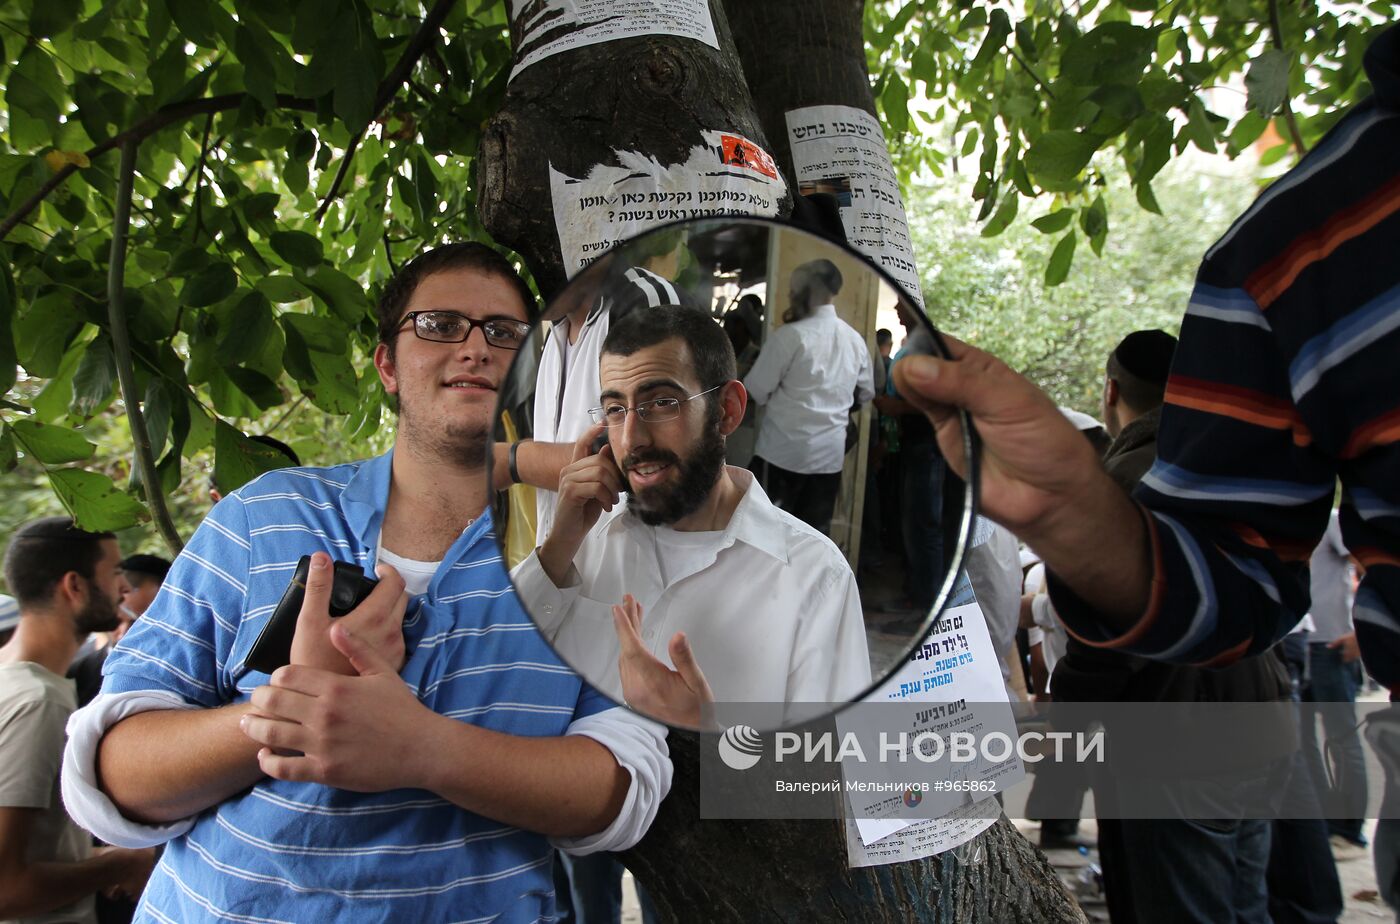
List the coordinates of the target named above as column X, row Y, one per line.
column 1332, row 689
column 923, row 471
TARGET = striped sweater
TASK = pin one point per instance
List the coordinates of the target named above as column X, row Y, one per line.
column 1286, row 380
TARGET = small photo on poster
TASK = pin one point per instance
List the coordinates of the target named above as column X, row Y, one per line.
column 737, row 151
column 838, row 186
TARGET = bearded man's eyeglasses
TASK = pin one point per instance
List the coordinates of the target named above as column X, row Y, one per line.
column 657, row 410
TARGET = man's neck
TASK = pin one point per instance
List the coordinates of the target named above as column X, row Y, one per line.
column 45, row 639
column 431, row 502
column 576, row 318
column 715, row 512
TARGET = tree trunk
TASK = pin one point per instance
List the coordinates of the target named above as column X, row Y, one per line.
column 652, row 94
column 655, row 95
column 798, row 53
column 743, row 871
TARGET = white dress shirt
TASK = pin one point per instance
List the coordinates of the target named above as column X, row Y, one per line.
column 769, row 604
column 807, row 376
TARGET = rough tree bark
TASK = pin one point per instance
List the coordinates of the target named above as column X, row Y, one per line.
column 798, row 53
column 655, row 95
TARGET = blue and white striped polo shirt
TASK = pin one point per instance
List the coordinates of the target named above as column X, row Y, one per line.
column 299, row 851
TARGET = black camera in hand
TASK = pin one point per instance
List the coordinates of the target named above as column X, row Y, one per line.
column 273, row 647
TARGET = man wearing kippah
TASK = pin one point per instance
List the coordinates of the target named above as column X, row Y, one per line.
column 1226, row 858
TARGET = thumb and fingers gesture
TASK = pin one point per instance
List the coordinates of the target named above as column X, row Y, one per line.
column 680, row 697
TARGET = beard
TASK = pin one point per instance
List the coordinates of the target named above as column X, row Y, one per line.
column 459, row 443
column 99, row 615
column 699, row 471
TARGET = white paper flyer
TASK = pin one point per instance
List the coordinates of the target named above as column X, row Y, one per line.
column 841, row 150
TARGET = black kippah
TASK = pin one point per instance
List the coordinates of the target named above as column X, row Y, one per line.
column 1147, row 354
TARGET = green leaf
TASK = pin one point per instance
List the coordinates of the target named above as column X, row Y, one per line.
column 1094, row 223
column 1266, row 81
column 1199, row 126
column 1056, row 158
column 998, row 28
column 96, row 503
column 9, row 456
column 260, row 212
column 259, row 388
column 295, row 171
column 895, row 103
column 335, row 387
column 50, row 17
column 212, row 284
column 283, row 289
column 157, row 410
column 1004, row 215
column 1247, row 131
column 249, row 326
column 1058, row 268
column 95, row 379
column 194, row 20
column 1146, row 198
column 1156, row 149
column 9, row 352
column 343, row 295
column 1056, row 221
column 259, row 73
column 238, row 460
column 1275, row 154
column 355, row 66
column 297, row 248
column 53, row 402
column 34, row 87
column 1114, row 52
column 52, row 445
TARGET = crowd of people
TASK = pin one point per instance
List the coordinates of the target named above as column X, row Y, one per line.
column 1173, row 565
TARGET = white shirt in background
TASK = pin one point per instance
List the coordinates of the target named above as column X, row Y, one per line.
column 807, row 376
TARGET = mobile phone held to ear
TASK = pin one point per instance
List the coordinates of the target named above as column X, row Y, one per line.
column 273, row 647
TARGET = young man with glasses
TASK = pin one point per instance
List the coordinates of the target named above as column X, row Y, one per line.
column 644, row 576
column 413, row 759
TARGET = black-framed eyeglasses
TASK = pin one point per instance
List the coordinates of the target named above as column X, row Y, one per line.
column 656, row 410
column 452, row 327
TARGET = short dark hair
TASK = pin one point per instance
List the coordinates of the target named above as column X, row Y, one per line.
column 41, row 552
column 467, row 255
column 883, row 336
column 710, row 350
column 144, row 567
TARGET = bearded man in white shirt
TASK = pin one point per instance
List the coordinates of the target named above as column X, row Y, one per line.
column 695, row 566
column 810, row 374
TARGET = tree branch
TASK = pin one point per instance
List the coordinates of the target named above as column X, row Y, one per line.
column 421, row 42
column 345, row 162
column 1276, row 30
column 166, row 115
column 121, row 349
column 422, row 39
column 1025, row 65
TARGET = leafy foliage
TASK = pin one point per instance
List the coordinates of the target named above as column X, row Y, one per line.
column 293, row 152
column 1044, row 97
column 285, row 167
column 992, row 292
